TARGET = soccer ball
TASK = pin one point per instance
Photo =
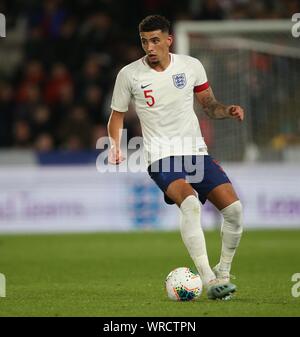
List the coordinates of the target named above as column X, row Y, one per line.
column 183, row 285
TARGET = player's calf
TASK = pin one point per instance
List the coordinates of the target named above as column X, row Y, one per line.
column 231, row 231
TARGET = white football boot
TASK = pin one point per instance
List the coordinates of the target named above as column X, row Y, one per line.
column 220, row 288
column 217, row 289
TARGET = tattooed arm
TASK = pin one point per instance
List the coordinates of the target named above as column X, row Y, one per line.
column 217, row 110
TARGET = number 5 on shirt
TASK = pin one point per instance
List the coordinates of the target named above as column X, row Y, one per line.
column 150, row 98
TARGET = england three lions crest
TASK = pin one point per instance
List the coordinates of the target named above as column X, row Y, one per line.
column 179, row 80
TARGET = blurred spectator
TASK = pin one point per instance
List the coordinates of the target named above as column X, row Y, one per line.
column 44, row 143
column 60, row 78
column 210, row 10
column 94, row 104
column 27, row 103
column 60, row 94
column 33, row 77
column 63, row 104
column 69, row 44
column 91, row 75
column 76, row 130
column 48, row 18
column 41, row 121
column 37, row 47
column 99, row 33
column 22, row 134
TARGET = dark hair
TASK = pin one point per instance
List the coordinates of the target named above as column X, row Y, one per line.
column 155, row 22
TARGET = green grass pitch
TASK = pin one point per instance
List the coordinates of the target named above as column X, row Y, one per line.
column 122, row 274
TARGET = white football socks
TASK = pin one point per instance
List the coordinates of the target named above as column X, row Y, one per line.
column 231, row 232
column 193, row 237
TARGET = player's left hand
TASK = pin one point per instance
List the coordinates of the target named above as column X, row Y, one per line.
column 236, row 112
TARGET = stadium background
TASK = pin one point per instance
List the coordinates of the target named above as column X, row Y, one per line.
column 58, row 63
column 57, row 70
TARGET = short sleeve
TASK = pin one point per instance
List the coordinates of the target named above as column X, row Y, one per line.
column 201, row 82
column 122, row 92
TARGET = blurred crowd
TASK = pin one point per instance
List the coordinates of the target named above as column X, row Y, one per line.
column 58, row 96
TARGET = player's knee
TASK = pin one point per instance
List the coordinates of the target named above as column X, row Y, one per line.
column 233, row 216
column 190, row 216
column 190, row 204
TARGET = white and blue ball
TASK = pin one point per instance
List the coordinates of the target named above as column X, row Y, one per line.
column 182, row 284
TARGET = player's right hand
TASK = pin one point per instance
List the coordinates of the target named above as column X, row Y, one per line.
column 115, row 156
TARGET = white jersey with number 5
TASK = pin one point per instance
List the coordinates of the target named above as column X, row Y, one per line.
column 164, row 104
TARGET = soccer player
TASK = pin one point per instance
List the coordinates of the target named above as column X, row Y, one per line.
column 163, row 86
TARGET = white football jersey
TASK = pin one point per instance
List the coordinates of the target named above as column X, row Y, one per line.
column 164, row 104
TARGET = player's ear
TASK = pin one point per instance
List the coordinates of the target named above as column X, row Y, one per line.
column 170, row 40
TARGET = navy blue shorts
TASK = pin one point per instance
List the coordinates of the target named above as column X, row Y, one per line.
column 169, row 169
